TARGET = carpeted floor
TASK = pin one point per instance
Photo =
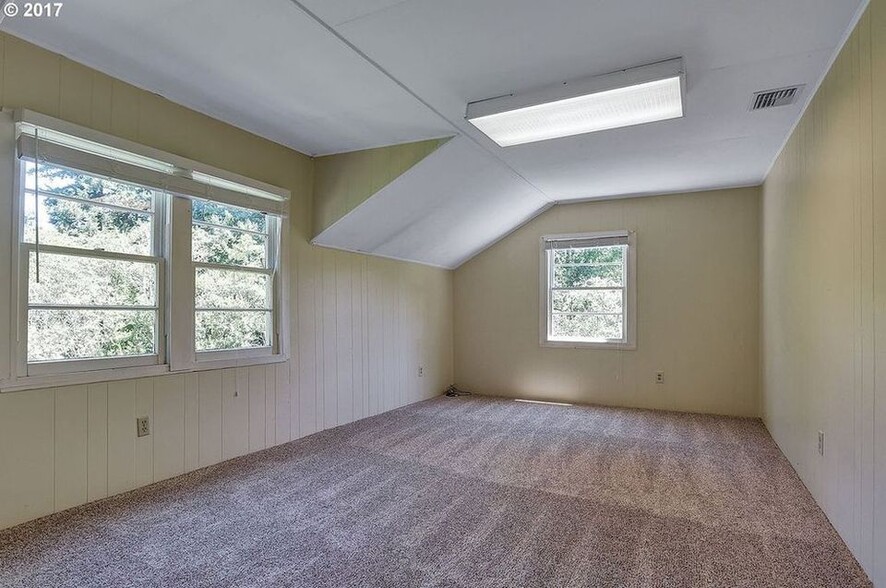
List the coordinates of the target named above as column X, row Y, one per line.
column 465, row 492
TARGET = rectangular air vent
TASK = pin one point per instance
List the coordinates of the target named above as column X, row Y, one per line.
column 773, row 98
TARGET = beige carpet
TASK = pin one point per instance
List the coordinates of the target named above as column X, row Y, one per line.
column 464, row 492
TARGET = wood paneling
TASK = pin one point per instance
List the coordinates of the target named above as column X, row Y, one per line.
column 235, row 412
column 27, row 456
column 62, row 447
column 144, row 446
column 192, row 422
column 97, row 441
column 824, row 294
column 71, row 438
column 354, row 323
column 121, row 436
column 257, row 416
column 169, row 426
column 210, row 418
column 875, row 485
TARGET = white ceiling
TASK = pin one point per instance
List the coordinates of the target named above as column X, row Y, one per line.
column 452, row 52
column 328, row 76
column 462, row 210
column 261, row 65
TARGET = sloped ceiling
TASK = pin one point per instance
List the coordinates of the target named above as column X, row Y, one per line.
column 344, row 181
column 460, row 209
column 328, row 76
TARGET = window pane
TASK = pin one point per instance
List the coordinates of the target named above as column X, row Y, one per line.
column 575, row 301
column 229, row 216
column 588, row 327
column 607, row 254
column 75, row 184
column 215, row 245
column 585, row 276
column 218, row 288
column 83, row 226
column 86, row 334
column 89, row 281
column 220, row 329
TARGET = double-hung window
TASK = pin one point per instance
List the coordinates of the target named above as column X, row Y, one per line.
column 588, row 290
column 91, row 264
column 129, row 259
column 234, row 251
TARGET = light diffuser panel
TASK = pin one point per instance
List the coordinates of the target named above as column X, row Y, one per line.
column 621, row 107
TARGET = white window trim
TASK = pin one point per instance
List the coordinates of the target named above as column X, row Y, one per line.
column 178, row 278
column 60, row 368
column 629, row 343
column 185, row 179
column 225, row 356
column 64, row 367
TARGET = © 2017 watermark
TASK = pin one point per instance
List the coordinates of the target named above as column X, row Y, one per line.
column 32, row 9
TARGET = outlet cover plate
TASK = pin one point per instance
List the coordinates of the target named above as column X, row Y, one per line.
column 143, row 426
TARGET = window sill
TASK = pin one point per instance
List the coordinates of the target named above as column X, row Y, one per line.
column 127, row 373
column 75, row 378
column 590, row 345
column 222, row 363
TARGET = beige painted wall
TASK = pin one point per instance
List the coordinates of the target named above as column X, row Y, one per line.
column 697, row 307
column 824, row 294
column 344, row 181
column 360, row 326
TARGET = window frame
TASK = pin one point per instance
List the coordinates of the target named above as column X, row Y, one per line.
column 629, row 341
column 175, row 336
column 157, row 257
column 272, row 253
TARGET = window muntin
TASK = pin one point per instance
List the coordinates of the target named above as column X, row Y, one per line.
column 86, row 211
column 587, row 289
column 233, row 251
column 97, row 295
column 111, row 214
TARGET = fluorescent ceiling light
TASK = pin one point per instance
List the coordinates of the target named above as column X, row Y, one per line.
column 622, row 99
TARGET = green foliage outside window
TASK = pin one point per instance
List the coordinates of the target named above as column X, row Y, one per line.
column 587, row 296
column 233, row 305
column 76, row 222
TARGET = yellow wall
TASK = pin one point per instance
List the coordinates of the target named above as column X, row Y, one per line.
column 360, row 326
column 344, row 181
column 824, row 294
column 697, row 307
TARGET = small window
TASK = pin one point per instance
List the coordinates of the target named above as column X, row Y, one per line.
column 91, row 264
column 234, row 253
column 588, row 290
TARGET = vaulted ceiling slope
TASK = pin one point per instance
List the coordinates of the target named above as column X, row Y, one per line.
column 330, row 76
column 433, row 215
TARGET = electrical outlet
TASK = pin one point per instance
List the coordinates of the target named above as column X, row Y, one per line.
column 421, row 371
column 821, row 443
column 659, row 377
column 143, row 426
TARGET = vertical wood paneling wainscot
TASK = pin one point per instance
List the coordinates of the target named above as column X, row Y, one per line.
column 824, row 294
column 359, row 326
column 66, row 446
column 362, row 327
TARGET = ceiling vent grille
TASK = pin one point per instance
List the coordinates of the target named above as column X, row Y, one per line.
column 773, row 98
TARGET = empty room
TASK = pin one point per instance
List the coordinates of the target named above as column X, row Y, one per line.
column 443, row 294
